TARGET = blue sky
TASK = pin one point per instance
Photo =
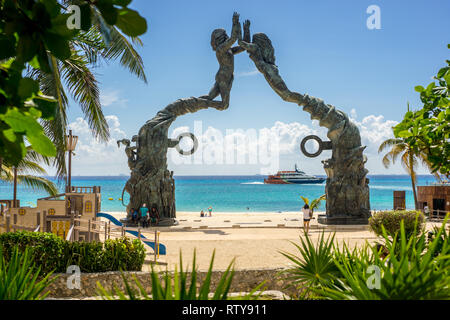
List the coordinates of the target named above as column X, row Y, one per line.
column 322, row 48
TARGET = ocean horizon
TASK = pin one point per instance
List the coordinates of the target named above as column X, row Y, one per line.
column 229, row 193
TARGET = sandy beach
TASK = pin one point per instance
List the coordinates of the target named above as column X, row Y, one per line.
column 252, row 239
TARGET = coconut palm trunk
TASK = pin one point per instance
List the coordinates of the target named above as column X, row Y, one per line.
column 413, row 176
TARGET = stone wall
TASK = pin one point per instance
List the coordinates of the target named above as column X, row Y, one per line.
column 243, row 281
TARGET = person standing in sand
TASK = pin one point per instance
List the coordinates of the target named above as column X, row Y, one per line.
column 306, row 217
column 210, row 210
column 144, row 215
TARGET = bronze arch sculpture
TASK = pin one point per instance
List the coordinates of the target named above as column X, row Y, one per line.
column 347, row 185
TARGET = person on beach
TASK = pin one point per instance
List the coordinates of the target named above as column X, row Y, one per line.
column 144, row 215
column 306, row 217
column 134, row 215
column 154, row 215
column 210, row 210
column 202, row 214
column 426, row 210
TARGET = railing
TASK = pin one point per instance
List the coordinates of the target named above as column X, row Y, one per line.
column 435, row 215
column 77, row 189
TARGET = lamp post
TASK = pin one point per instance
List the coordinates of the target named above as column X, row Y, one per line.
column 15, row 188
column 71, row 142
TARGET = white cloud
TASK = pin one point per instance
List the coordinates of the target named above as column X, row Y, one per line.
column 93, row 157
column 112, row 98
column 253, row 72
column 242, row 151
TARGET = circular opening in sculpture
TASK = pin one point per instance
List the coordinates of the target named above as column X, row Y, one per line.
column 312, row 146
column 193, row 144
column 309, row 143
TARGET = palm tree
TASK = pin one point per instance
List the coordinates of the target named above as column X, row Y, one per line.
column 28, row 170
column 410, row 157
column 74, row 76
column 315, row 203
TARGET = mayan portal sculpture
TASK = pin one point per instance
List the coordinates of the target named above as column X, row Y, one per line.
column 347, row 187
column 153, row 184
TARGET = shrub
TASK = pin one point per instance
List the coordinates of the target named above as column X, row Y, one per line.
column 52, row 253
column 413, row 220
column 19, row 277
column 413, row 269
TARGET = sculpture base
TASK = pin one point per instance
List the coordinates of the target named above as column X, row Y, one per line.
column 342, row 220
column 168, row 222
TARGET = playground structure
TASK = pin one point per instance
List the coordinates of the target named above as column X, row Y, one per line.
column 73, row 216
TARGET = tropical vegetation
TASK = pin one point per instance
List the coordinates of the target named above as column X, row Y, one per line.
column 427, row 130
column 20, row 279
column 179, row 285
column 315, row 203
column 399, row 268
column 39, row 50
column 29, row 172
column 409, row 155
column 390, row 221
column 53, row 254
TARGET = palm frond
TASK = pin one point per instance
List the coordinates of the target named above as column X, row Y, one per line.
column 83, row 86
column 388, row 143
column 120, row 47
column 38, row 183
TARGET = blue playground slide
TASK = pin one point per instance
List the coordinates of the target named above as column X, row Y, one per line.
column 151, row 244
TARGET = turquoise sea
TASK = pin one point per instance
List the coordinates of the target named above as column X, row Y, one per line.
column 231, row 193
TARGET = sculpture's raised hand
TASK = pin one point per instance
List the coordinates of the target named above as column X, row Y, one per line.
column 246, row 25
column 235, row 18
column 247, row 31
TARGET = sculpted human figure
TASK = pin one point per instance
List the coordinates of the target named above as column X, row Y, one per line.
column 129, row 151
column 347, row 186
column 262, row 53
column 222, row 45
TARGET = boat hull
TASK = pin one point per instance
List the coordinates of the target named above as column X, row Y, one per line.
column 289, row 181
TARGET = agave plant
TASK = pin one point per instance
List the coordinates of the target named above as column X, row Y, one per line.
column 19, row 277
column 314, row 267
column 177, row 287
column 315, row 203
column 412, row 269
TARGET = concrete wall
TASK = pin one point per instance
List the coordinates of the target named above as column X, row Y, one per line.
column 243, row 281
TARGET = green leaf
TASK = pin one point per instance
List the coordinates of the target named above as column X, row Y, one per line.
column 27, row 87
column 7, row 43
column 21, row 122
column 404, row 134
column 58, row 46
column 26, row 48
column 131, row 23
column 108, row 11
column 42, row 144
column 419, row 88
column 122, row 3
column 10, row 135
column 47, row 105
column 442, row 71
column 86, row 22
